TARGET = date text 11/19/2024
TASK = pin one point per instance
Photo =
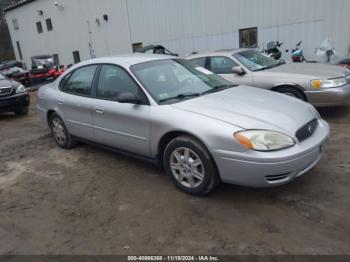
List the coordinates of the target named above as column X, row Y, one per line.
column 173, row 258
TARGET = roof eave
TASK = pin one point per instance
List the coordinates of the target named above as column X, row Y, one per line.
column 17, row 5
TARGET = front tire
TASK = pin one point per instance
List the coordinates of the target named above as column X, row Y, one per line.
column 190, row 166
column 60, row 132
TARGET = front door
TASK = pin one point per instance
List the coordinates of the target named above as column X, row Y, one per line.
column 223, row 65
column 123, row 126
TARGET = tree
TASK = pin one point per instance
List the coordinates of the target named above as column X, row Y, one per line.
column 6, row 49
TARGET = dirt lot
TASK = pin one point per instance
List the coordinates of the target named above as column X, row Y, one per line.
column 90, row 201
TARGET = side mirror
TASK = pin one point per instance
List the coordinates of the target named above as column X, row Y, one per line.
column 238, row 70
column 128, row 98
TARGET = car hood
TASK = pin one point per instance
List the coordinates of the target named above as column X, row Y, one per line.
column 307, row 70
column 5, row 83
column 252, row 108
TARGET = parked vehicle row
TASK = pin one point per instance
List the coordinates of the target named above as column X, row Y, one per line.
column 43, row 68
column 197, row 117
column 326, row 53
column 200, row 127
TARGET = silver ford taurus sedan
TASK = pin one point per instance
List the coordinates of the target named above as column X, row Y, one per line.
column 197, row 125
column 316, row 83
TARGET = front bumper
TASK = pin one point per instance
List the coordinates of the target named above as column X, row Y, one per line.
column 14, row 102
column 268, row 169
column 329, row 96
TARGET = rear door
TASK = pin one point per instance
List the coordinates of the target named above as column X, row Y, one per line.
column 123, row 126
column 74, row 102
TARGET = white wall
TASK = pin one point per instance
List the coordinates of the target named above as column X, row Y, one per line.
column 70, row 29
column 206, row 25
column 183, row 26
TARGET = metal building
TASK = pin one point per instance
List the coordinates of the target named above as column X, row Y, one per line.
column 81, row 29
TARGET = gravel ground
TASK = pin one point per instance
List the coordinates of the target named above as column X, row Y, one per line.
column 91, row 201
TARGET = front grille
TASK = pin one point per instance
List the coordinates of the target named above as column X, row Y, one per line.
column 307, row 130
column 276, row 178
column 5, row 91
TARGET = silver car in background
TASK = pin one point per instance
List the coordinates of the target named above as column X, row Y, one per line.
column 197, row 125
column 319, row 84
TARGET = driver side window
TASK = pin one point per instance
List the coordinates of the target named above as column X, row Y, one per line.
column 114, row 81
column 221, row 65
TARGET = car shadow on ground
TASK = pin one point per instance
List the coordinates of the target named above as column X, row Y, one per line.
column 334, row 113
column 10, row 117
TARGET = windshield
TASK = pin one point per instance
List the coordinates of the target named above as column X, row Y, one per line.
column 2, row 77
column 255, row 61
column 175, row 79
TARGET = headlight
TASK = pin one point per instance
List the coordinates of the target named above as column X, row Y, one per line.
column 20, row 89
column 262, row 140
column 338, row 82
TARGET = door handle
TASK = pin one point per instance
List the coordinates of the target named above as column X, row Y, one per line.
column 60, row 102
column 99, row 111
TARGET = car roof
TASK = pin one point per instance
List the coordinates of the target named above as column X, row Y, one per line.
column 128, row 60
column 223, row 52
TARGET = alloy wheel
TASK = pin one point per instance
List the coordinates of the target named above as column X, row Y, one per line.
column 59, row 131
column 187, row 167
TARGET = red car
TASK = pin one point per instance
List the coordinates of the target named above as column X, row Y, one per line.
column 44, row 67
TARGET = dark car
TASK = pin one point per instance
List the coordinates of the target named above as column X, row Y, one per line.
column 15, row 70
column 155, row 49
column 13, row 97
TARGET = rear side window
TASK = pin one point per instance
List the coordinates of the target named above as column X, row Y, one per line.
column 221, row 65
column 80, row 81
column 200, row 61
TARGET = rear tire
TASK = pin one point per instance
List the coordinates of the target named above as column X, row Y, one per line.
column 190, row 166
column 291, row 91
column 60, row 133
column 21, row 112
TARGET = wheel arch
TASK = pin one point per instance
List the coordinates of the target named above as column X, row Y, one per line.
column 290, row 85
column 49, row 114
column 169, row 136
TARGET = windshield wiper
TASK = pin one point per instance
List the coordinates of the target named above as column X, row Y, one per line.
column 180, row 96
column 218, row 89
